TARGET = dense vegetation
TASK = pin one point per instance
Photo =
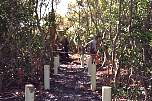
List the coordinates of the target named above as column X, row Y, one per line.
column 123, row 26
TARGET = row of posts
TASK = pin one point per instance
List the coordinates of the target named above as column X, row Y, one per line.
column 106, row 90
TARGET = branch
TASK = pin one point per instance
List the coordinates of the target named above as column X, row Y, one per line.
column 37, row 19
column 93, row 18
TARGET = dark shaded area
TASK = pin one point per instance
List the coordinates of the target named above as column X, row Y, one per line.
column 71, row 84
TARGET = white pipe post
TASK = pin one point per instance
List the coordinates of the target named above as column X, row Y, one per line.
column 82, row 60
column 93, row 77
column 29, row 92
column 46, row 77
column 89, row 65
column 106, row 93
column 56, row 64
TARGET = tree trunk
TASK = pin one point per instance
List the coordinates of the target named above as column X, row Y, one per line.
column 52, row 32
column 116, row 67
column 130, row 32
column 93, row 19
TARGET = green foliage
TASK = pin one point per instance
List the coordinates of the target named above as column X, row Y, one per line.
column 22, row 34
column 147, row 36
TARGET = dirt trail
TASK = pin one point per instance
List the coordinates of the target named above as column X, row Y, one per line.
column 71, row 84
